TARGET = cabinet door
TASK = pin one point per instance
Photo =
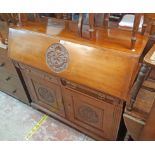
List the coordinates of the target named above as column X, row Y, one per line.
column 97, row 116
column 44, row 93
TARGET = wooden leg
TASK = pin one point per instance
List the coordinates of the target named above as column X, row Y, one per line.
column 144, row 28
column 80, row 23
column 106, row 20
column 137, row 85
column 91, row 24
column 135, row 30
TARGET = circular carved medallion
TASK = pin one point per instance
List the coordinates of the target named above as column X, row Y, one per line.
column 88, row 114
column 57, row 57
column 46, row 94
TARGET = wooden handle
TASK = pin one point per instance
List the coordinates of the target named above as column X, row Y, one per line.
column 14, row 91
column 8, row 78
column 135, row 30
column 2, row 64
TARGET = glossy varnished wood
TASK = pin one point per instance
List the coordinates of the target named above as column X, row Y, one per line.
column 106, row 64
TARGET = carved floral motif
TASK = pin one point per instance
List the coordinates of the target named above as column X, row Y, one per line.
column 88, row 114
column 57, row 57
column 46, row 94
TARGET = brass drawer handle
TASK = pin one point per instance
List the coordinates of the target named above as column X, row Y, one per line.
column 63, row 82
column 8, row 78
column 14, row 91
column 2, row 64
column 101, row 96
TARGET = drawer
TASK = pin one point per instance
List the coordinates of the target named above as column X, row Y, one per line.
column 90, row 92
column 10, row 79
column 6, row 65
column 40, row 74
column 14, row 91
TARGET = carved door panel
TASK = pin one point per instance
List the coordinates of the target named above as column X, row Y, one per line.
column 97, row 116
column 46, row 94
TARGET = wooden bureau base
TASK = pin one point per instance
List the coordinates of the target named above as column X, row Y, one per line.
column 101, row 117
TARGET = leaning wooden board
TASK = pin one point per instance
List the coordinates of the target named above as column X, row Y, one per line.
column 92, row 82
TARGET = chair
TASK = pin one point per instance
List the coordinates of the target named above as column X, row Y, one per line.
column 106, row 25
column 148, row 131
column 142, row 97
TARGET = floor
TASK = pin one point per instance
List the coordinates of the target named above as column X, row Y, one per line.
column 19, row 121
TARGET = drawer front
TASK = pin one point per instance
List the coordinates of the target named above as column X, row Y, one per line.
column 44, row 93
column 14, row 91
column 10, row 79
column 90, row 92
column 7, row 66
column 94, row 115
column 39, row 74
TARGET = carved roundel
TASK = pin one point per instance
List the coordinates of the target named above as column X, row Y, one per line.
column 57, row 57
column 88, row 114
column 46, row 94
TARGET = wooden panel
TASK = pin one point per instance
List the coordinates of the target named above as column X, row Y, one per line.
column 39, row 74
column 97, row 116
column 83, row 61
column 44, row 93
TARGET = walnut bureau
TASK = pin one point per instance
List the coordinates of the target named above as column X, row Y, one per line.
column 83, row 83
